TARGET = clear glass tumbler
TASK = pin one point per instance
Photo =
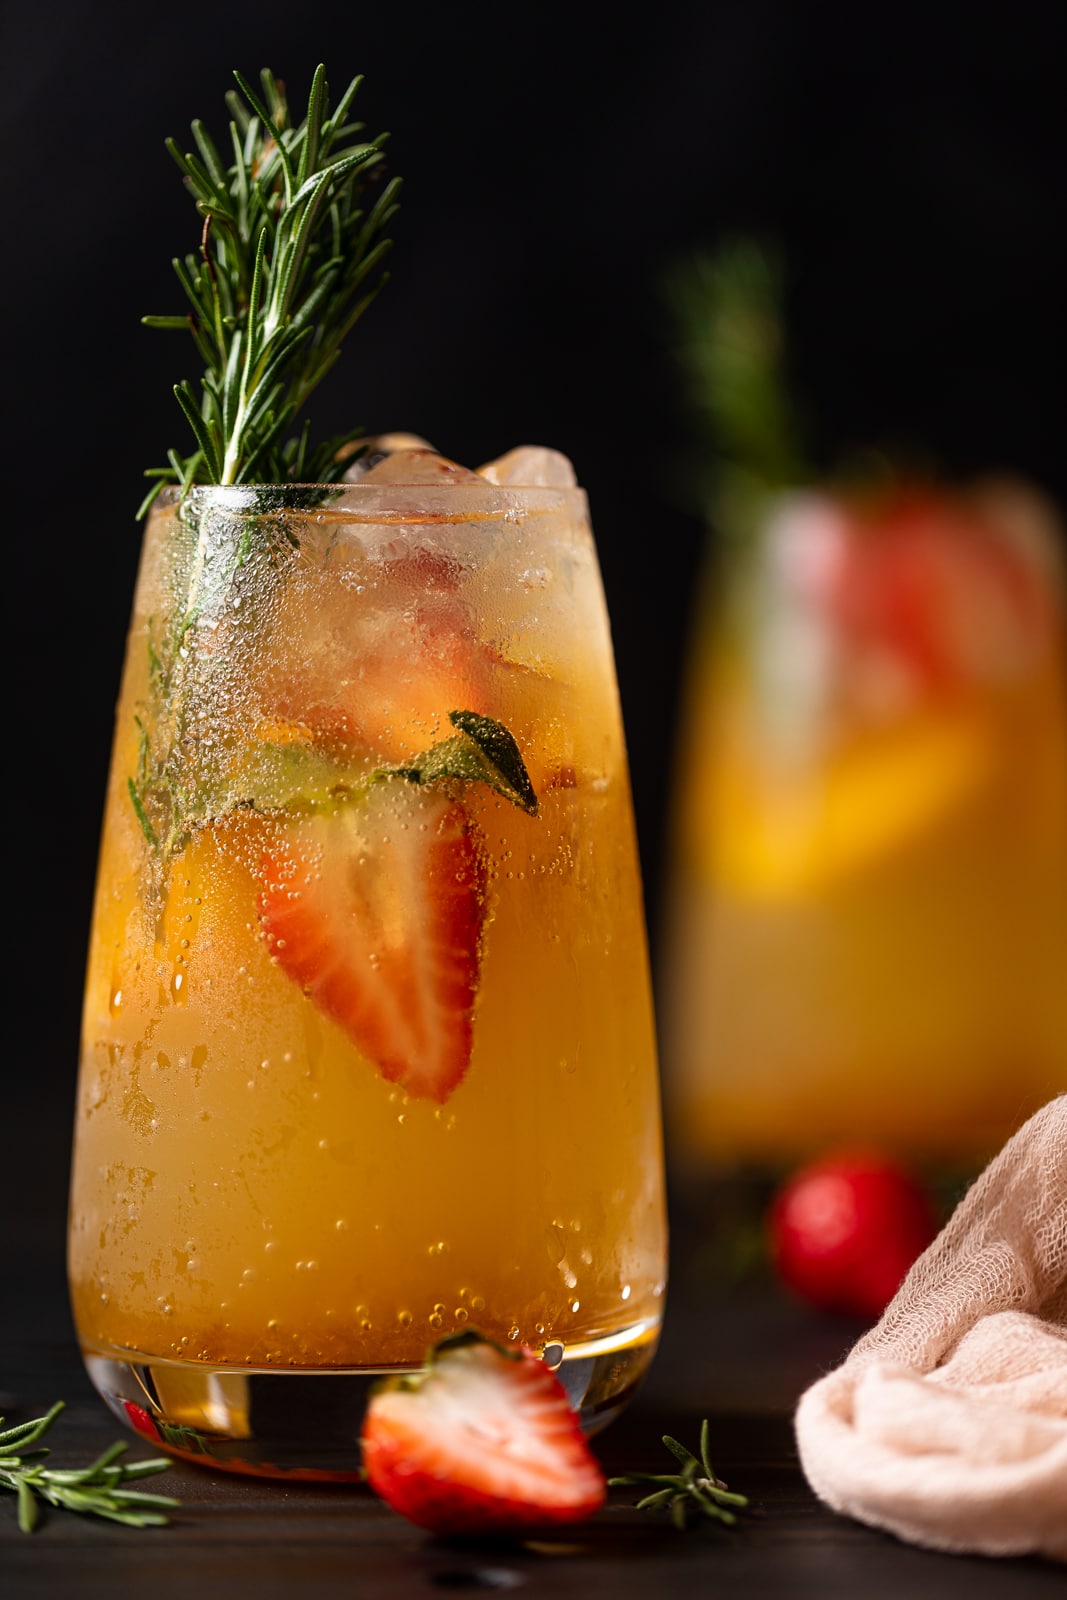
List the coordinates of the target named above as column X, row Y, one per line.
column 368, row 1048
column 866, row 939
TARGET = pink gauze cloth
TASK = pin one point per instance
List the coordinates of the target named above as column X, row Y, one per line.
column 947, row 1423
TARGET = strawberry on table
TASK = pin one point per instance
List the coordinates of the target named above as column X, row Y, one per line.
column 376, row 909
column 845, row 1229
column 482, row 1442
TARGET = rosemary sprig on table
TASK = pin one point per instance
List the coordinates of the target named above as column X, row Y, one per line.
column 289, row 261
column 695, row 1487
column 97, row 1490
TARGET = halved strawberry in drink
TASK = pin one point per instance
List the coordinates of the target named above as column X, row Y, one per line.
column 377, row 910
column 483, row 1442
column 936, row 584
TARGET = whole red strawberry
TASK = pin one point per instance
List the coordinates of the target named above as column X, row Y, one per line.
column 484, row 1441
column 845, row 1229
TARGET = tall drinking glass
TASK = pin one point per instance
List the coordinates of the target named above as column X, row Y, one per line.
column 368, row 1047
column 868, row 904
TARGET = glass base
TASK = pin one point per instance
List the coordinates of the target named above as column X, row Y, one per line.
column 306, row 1424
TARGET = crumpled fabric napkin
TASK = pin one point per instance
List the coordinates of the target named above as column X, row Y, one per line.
column 947, row 1423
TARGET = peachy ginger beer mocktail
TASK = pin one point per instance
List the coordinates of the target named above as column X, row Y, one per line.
column 368, row 1047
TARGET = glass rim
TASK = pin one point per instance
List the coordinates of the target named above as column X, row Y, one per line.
column 457, row 500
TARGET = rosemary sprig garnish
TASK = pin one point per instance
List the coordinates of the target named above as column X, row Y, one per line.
column 289, row 261
column 727, row 309
column 97, row 1490
column 696, row 1487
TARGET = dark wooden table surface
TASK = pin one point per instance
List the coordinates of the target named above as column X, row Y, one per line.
column 739, row 1358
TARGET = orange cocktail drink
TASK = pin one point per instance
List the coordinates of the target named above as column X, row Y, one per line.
column 868, row 913
column 368, row 1043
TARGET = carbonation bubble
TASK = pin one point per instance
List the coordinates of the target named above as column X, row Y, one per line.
column 555, row 1243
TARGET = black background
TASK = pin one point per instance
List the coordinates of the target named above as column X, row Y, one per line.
column 556, row 160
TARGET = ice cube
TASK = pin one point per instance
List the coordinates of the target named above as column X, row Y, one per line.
column 367, row 453
column 417, row 466
column 531, row 466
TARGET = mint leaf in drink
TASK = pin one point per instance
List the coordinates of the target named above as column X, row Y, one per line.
column 484, row 751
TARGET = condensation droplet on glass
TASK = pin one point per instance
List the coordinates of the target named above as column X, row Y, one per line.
column 477, row 1302
column 404, row 1318
column 341, row 1225
column 625, row 1295
column 460, row 1314
column 513, row 1334
column 576, row 1305
column 435, row 1320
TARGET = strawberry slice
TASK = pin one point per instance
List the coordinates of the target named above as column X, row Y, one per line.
column 377, row 910
column 942, row 589
column 484, row 1441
